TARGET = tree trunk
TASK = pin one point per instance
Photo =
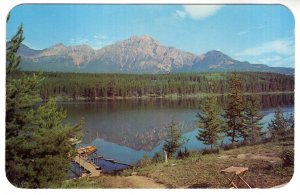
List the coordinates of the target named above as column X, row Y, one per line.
column 166, row 156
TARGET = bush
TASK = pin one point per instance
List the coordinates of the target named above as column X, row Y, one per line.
column 126, row 172
column 280, row 170
column 182, row 155
column 286, row 138
column 266, row 140
column 186, row 153
column 241, row 144
column 210, row 151
column 287, row 157
column 228, row 147
column 157, row 158
column 144, row 161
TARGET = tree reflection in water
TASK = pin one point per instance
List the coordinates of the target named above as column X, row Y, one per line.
column 141, row 123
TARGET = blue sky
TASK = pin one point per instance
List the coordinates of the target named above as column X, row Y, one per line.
column 254, row 33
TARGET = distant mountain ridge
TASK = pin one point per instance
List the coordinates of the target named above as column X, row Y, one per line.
column 138, row 54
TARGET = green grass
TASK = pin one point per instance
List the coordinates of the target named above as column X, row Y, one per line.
column 204, row 170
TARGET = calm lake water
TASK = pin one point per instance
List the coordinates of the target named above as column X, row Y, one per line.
column 125, row 130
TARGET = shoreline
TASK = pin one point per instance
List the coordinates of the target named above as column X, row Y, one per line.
column 170, row 96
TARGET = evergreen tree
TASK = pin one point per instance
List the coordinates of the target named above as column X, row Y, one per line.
column 278, row 125
column 253, row 116
column 173, row 139
column 38, row 147
column 209, row 121
column 186, row 153
column 235, row 108
column 12, row 59
column 291, row 123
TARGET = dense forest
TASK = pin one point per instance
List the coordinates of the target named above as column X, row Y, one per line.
column 78, row 86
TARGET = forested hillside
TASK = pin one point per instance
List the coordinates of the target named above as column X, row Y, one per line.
column 93, row 86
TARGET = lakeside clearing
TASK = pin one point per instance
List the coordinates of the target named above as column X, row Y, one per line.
column 202, row 171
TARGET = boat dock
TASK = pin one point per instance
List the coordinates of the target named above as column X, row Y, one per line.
column 92, row 169
column 92, row 163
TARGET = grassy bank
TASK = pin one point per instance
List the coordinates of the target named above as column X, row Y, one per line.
column 265, row 165
column 203, row 171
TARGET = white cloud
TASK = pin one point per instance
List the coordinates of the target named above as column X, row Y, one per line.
column 100, row 41
column 199, row 12
column 275, row 61
column 268, row 60
column 180, row 14
column 31, row 45
column 79, row 41
column 96, row 41
column 100, row 37
column 283, row 47
column 288, row 61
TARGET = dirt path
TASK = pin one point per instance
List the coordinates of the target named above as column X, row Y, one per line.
column 133, row 181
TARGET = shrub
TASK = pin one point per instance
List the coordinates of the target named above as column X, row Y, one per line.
column 144, row 161
column 126, row 172
column 228, row 147
column 287, row 157
column 210, row 151
column 186, row 153
column 182, row 155
column 157, row 158
column 241, row 144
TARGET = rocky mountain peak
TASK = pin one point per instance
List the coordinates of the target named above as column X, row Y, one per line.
column 137, row 54
column 83, row 47
column 143, row 38
column 215, row 54
column 58, row 46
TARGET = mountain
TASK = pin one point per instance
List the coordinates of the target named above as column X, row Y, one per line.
column 141, row 55
column 138, row 54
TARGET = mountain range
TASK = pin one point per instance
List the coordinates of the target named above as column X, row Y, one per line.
column 138, row 54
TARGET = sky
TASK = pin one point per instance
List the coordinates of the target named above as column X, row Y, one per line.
column 254, row 33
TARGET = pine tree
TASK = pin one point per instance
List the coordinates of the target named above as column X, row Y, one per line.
column 235, row 108
column 278, row 125
column 173, row 139
column 38, row 147
column 252, row 118
column 291, row 123
column 12, row 59
column 180, row 154
column 209, row 121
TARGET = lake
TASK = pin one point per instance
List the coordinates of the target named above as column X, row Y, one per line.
column 125, row 130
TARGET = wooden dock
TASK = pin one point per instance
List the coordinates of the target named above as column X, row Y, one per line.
column 93, row 170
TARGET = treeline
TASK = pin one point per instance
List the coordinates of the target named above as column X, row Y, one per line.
column 238, row 121
column 92, row 86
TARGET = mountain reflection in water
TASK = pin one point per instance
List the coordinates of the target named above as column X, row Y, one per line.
column 140, row 124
